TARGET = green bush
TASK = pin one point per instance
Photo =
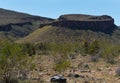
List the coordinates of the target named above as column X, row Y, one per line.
column 62, row 66
column 12, row 60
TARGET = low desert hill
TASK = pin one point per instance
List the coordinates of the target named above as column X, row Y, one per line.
column 74, row 28
column 15, row 25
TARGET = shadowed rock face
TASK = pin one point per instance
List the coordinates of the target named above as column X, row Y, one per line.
column 77, row 21
column 102, row 26
column 102, row 23
column 8, row 27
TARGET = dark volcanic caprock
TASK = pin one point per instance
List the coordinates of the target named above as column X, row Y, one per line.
column 102, row 23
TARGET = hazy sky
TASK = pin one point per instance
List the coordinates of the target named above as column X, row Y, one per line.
column 54, row 8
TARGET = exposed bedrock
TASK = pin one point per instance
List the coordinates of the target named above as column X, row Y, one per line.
column 102, row 23
column 86, row 25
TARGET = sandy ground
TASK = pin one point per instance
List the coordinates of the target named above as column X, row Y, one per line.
column 101, row 72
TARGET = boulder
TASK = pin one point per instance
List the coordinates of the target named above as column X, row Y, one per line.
column 58, row 79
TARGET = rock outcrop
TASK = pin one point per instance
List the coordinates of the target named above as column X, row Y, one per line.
column 102, row 23
column 9, row 27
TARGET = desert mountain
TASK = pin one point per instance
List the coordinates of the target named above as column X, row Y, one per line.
column 14, row 24
column 74, row 28
column 67, row 28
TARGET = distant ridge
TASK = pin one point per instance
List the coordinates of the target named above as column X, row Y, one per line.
column 9, row 16
column 15, row 25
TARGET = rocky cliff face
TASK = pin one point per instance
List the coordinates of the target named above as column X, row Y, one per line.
column 86, row 22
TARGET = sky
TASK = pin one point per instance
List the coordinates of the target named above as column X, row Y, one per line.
column 55, row 8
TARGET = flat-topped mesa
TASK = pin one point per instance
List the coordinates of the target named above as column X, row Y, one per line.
column 81, row 17
column 102, row 23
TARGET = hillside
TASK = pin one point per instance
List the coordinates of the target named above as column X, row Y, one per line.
column 13, row 17
column 75, row 28
column 15, row 24
column 67, row 28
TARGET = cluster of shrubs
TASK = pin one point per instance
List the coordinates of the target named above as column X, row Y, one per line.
column 62, row 51
column 95, row 48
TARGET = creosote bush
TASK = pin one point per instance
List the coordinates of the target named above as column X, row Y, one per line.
column 62, row 66
column 12, row 61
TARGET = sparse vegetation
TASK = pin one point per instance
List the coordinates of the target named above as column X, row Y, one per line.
column 109, row 51
column 18, row 55
column 62, row 66
column 12, row 61
column 86, row 54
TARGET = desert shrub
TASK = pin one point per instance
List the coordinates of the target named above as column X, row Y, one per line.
column 109, row 52
column 62, row 66
column 29, row 49
column 85, row 47
column 91, row 48
column 12, row 60
column 61, row 53
column 43, row 48
column 94, row 47
column 62, row 48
